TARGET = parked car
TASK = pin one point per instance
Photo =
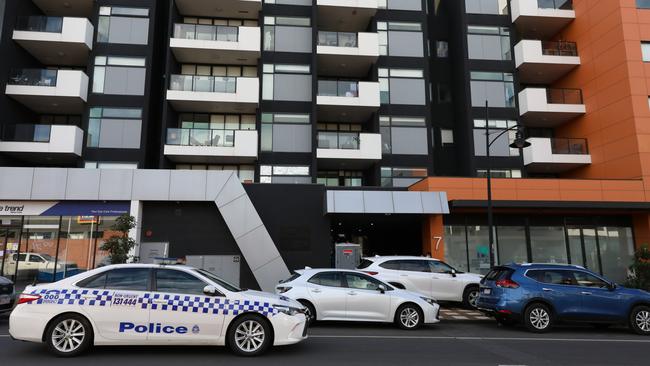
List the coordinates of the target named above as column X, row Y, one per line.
column 428, row 276
column 150, row 304
column 7, row 295
column 332, row 294
column 40, row 266
column 542, row 295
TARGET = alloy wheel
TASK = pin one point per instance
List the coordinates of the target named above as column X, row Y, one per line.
column 539, row 318
column 472, row 298
column 68, row 335
column 642, row 320
column 249, row 336
column 409, row 317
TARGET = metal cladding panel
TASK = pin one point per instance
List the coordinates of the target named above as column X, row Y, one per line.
column 187, row 185
column 16, row 183
column 387, row 202
column 241, row 217
column 348, row 201
column 231, row 190
column 49, row 183
column 407, row 202
column 215, row 181
column 115, row 184
column 82, row 184
column 378, row 202
column 151, row 185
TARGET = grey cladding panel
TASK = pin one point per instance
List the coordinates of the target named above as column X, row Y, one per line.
column 378, row 202
column 49, row 183
column 128, row 30
column 292, row 87
column 187, row 185
column 83, row 184
column 16, row 183
column 116, row 184
column 291, row 138
column 151, row 185
column 293, row 39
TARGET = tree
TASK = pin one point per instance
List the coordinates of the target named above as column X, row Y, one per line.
column 118, row 246
column 640, row 269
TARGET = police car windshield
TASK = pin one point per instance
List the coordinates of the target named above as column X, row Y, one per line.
column 219, row 281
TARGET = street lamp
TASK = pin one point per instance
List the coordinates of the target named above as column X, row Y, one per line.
column 519, row 143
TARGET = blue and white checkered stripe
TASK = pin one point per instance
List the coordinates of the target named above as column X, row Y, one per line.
column 74, row 297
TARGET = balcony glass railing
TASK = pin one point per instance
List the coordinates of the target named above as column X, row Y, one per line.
column 555, row 4
column 339, row 140
column 550, row 48
column 569, row 146
column 564, row 96
column 208, row 84
column 26, row 133
column 33, row 77
column 206, row 32
column 338, row 39
column 338, row 88
column 200, row 137
column 37, row 23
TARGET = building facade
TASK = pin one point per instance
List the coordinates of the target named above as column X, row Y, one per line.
column 346, row 121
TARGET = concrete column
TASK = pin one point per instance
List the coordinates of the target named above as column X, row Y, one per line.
column 433, row 238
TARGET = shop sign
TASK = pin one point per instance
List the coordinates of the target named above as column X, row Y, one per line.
column 65, row 208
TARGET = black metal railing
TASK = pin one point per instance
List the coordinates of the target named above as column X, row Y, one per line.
column 33, row 77
column 198, row 83
column 338, row 88
column 206, row 32
column 200, row 137
column 338, row 39
column 339, row 140
column 38, row 23
column 564, row 96
column 560, row 48
column 569, row 146
column 555, row 4
column 26, row 133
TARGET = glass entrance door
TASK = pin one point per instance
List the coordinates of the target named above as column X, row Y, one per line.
column 583, row 247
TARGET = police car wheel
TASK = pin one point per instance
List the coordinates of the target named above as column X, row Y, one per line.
column 69, row 335
column 249, row 335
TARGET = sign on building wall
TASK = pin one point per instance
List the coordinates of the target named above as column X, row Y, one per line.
column 66, row 208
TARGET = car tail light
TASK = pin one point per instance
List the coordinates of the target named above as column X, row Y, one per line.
column 507, row 284
column 283, row 289
column 27, row 298
column 372, row 273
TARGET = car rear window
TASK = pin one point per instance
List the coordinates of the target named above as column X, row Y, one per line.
column 499, row 273
column 331, row 279
column 293, row 277
column 394, row 265
column 365, row 263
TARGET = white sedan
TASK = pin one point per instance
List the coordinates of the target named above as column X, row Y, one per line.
column 333, row 294
column 154, row 305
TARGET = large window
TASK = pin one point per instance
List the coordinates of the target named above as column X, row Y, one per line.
column 616, row 251
column 119, row 75
column 548, row 244
column 340, row 178
column 285, row 174
column 496, row 7
column 496, row 88
column 404, row 135
column 286, row 82
column 123, row 25
column 402, row 86
column 246, row 173
column 287, row 34
column 117, row 128
column 131, row 279
column 501, row 144
column 286, row 132
column 401, row 177
column 488, row 43
column 400, row 39
column 400, row 4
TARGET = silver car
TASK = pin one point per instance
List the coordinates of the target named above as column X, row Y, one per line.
column 7, row 295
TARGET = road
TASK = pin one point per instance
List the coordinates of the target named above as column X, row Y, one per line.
column 449, row 343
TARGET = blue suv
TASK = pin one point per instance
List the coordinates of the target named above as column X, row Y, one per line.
column 540, row 295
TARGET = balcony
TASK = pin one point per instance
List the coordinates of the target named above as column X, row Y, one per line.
column 346, row 15
column 55, row 40
column 51, row 144
column 542, row 62
column 539, row 107
column 213, row 94
column 246, row 9
column 49, row 91
column 216, row 44
column 556, row 155
column 347, row 101
column 347, row 54
column 541, row 18
column 348, row 150
column 72, row 8
column 211, row 146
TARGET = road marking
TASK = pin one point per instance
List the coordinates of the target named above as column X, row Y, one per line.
column 488, row 338
column 4, row 335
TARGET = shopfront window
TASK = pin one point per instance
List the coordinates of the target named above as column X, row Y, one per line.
column 548, row 244
column 456, row 247
column 616, row 251
column 511, row 244
column 478, row 249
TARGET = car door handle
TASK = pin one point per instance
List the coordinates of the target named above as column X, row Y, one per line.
column 547, row 289
column 403, row 275
column 352, row 293
column 316, row 291
column 586, row 293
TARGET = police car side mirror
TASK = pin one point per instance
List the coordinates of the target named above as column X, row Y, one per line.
column 210, row 290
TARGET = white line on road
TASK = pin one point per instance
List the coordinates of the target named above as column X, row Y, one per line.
column 488, row 338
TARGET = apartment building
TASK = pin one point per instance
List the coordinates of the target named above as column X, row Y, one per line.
column 313, row 122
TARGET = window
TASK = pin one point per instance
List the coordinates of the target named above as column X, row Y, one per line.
column 645, row 51
column 119, row 75
column 588, row 280
column 415, row 266
column 132, row 279
column 401, row 177
column 35, row 259
column 488, row 43
column 499, row 173
column 501, row 144
column 109, row 165
column 402, row 86
column 286, row 132
column 123, row 25
column 331, row 279
column 400, row 39
column 440, row 267
column 285, row 174
column 548, row 244
column 643, row 4
column 400, row 4
column 286, row 82
column 118, row 128
column 246, row 173
column 446, row 137
column 392, row 265
column 403, row 135
column 339, row 136
column 96, row 281
column 496, row 7
column 361, row 282
column 442, row 49
column 287, row 34
column 289, row 2
column 494, row 87
column 178, row 282
column 340, row 178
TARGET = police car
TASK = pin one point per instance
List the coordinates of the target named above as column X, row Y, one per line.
column 140, row 304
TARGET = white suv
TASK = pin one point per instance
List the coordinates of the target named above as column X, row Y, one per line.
column 428, row 276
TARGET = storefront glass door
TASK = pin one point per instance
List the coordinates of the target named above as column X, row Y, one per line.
column 583, row 247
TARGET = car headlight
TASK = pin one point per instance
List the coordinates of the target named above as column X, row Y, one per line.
column 288, row 310
column 429, row 300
